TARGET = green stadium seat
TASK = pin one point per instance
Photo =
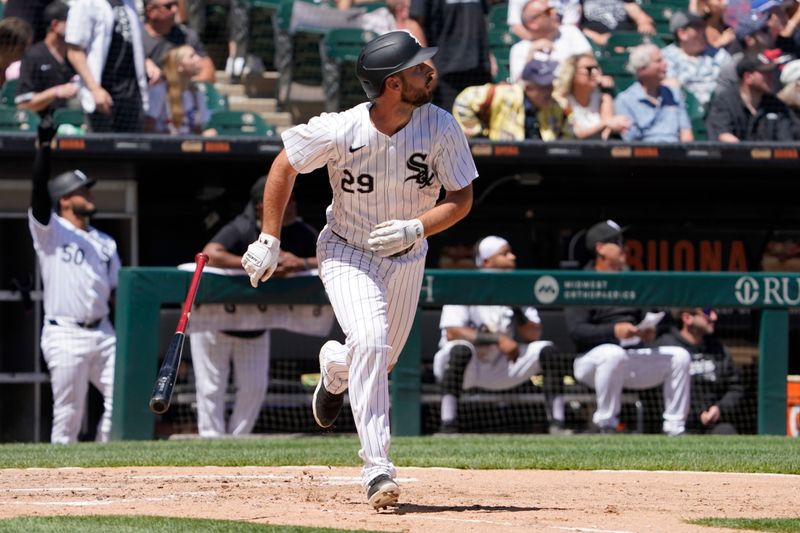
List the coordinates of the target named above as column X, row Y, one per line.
column 340, row 49
column 697, row 115
column 297, row 55
column 498, row 16
column 214, row 100
column 240, row 123
column 69, row 121
column 622, row 42
column 262, row 34
column 500, row 42
column 8, row 93
column 13, row 119
column 661, row 13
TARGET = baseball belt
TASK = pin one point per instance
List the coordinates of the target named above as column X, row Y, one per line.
column 398, row 254
column 69, row 323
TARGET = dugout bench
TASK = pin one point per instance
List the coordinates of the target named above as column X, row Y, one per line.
column 142, row 291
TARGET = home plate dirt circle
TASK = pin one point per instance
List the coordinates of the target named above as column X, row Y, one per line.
column 433, row 499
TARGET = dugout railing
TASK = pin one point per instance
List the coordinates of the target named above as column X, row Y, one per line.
column 143, row 290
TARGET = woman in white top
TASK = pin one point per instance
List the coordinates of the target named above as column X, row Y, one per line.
column 585, row 93
column 176, row 104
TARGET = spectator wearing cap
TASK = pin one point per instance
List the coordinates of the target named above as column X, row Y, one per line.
column 548, row 39
column 754, row 35
column 614, row 346
column 515, row 111
column 718, row 33
column 47, row 79
column 783, row 19
column 717, row 389
column 790, row 93
column 162, row 33
column 749, row 111
column 657, row 112
column 691, row 63
column 215, row 348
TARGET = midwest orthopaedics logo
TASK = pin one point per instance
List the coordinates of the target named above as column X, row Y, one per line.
column 770, row 290
column 546, row 289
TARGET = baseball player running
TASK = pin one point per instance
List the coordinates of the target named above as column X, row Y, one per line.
column 79, row 270
column 387, row 161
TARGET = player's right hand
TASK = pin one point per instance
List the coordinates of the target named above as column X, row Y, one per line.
column 261, row 258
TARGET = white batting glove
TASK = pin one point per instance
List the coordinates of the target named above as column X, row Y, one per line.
column 261, row 258
column 393, row 236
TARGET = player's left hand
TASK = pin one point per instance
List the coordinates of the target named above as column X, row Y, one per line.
column 261, row 258
column 393, row 236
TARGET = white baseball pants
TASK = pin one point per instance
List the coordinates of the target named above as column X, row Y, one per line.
column 497, row 375
column 212, row 353
column 75, row 357
column 375, row 300
column 608, row 368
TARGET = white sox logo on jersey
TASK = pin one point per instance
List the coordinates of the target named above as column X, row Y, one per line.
column 416, row 163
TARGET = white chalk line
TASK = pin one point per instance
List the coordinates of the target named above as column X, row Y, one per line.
column 324, row 480
column 97, row 503
column 50, row 489
column 590, row 529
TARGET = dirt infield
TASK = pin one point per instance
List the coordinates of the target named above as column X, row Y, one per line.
column 433, row 499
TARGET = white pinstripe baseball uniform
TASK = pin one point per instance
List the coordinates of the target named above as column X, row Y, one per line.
column 489, row 368
column 79, row 271
column 375, row 178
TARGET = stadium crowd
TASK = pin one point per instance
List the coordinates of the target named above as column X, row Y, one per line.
column 646, row 70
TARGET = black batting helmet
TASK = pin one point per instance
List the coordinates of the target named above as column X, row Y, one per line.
column 68, row 182
column 386, row 55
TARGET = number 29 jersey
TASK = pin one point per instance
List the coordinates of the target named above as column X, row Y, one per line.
column 375, row 177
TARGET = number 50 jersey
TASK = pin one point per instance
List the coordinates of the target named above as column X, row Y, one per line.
column 79, row 268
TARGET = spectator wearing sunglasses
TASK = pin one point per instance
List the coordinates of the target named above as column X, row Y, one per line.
column 615, row 348
column 717, row 389
column 162, row 33
column 548, row 40
column 586, row 96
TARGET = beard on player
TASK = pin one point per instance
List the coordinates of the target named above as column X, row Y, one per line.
column 415, row 96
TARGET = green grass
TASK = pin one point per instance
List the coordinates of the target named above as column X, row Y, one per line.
column 153, row 524
column 780, row 525
column 771, row 454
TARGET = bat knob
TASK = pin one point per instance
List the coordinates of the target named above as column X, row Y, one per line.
column 159, row 407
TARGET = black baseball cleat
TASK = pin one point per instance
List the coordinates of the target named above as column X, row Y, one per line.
column 326, row 406
column 382, row 492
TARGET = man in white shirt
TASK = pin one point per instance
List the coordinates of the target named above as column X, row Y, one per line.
column 548, row 41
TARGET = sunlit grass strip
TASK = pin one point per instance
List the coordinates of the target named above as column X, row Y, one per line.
column 780, row 525
column 768, row 454
column 150, row 524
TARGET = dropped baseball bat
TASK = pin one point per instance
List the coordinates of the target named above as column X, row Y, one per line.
column 162, row 392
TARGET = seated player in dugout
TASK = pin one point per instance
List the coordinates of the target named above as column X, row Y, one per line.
column 494, row 347
column 248, row 347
